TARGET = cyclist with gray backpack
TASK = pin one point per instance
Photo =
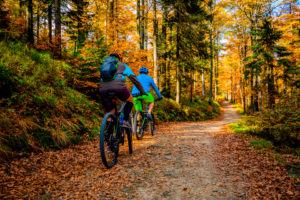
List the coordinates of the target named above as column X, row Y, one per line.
column 113, row 74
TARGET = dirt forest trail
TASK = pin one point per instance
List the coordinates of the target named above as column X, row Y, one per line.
column 189, row 171
column 179, row 162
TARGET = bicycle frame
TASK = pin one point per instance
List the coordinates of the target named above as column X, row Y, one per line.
column 117, row 114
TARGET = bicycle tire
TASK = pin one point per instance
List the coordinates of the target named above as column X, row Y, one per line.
column 129, row 138
column 138, row 125
column 151, row 124
column 109, row 139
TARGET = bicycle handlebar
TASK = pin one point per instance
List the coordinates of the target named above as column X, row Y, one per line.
column 158, row 99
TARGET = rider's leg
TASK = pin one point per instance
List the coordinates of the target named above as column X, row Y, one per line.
column 125, row 95
column 150, row 100
column 137, row 105
column 150, row 108
column 128, row 107
column 108, row 103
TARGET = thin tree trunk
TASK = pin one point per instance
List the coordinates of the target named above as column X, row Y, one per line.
column 155, row 49
column 168, row 62
column 192, row 86
column 252, row 91
column 257, row 86
column 111, row 19
column 178, row 73
column 164, row 50
column 49, row 9
column 57, row 29
column 194, row 80
column 203, row 84
column 231, row 87
column 216, row 67
column 143, row 26
column 271, row 88
column 38, row 23
column 80, row 29
column 253, row 96
column 256, row 106
column 211, row 59
column 138, row 19
column 244, row 55
column 116, row 18
column 146, row 27
column 30, row 37
column 211, row 68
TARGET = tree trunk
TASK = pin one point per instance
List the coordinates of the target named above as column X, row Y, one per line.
column 192, row 86
column 216, row 67
column 155, row 49
column 30, row 37
column 252, row 91
column 38, row 23
column 211, row 59
column 111, row 19
column 163, row 64
column 231, row 86
column 252, row 36
column 178, row 73
column 257, row 90
column 244, row 55
column 138, row 20
column 203, row 84
column 271, row 87
column 57, row 29
column 168, row 62
column 146, row 27
column 49, row 9
column 143, row 26
column 80, row 28
column 256, row 106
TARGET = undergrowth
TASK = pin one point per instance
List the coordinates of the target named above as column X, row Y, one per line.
column 38, row 108
column 280, row 125
column 198, row 110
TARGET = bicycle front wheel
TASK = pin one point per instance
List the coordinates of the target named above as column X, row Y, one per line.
column 138, row 128
column 109, row 144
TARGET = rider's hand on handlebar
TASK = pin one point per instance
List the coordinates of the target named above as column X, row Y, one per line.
column 158, row 99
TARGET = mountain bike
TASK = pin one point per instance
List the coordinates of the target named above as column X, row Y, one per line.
column 112, row 134
column 142, row 123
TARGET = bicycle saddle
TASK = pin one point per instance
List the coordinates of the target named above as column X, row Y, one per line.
column 112, row 94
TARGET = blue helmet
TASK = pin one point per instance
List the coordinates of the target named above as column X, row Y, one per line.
column 143, row 70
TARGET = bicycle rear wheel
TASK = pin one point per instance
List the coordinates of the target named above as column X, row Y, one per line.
column 129, row 138
column 151, row 125
column 138, row 128
column 109, row 144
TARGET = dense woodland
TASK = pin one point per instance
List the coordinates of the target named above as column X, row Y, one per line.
column 244, row 51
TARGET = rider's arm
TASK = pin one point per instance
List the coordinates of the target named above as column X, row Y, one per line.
column 155, row 89
column 133, row 79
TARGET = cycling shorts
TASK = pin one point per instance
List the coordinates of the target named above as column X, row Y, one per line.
column 148, row 98
column 123, row 94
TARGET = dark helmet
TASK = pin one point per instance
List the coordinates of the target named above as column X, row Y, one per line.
column 115, row 55
column 143, row 70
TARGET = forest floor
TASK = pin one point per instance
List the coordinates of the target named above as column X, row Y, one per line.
column 195, row 160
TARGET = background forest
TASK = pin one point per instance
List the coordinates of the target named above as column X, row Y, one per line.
column 198, row 51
